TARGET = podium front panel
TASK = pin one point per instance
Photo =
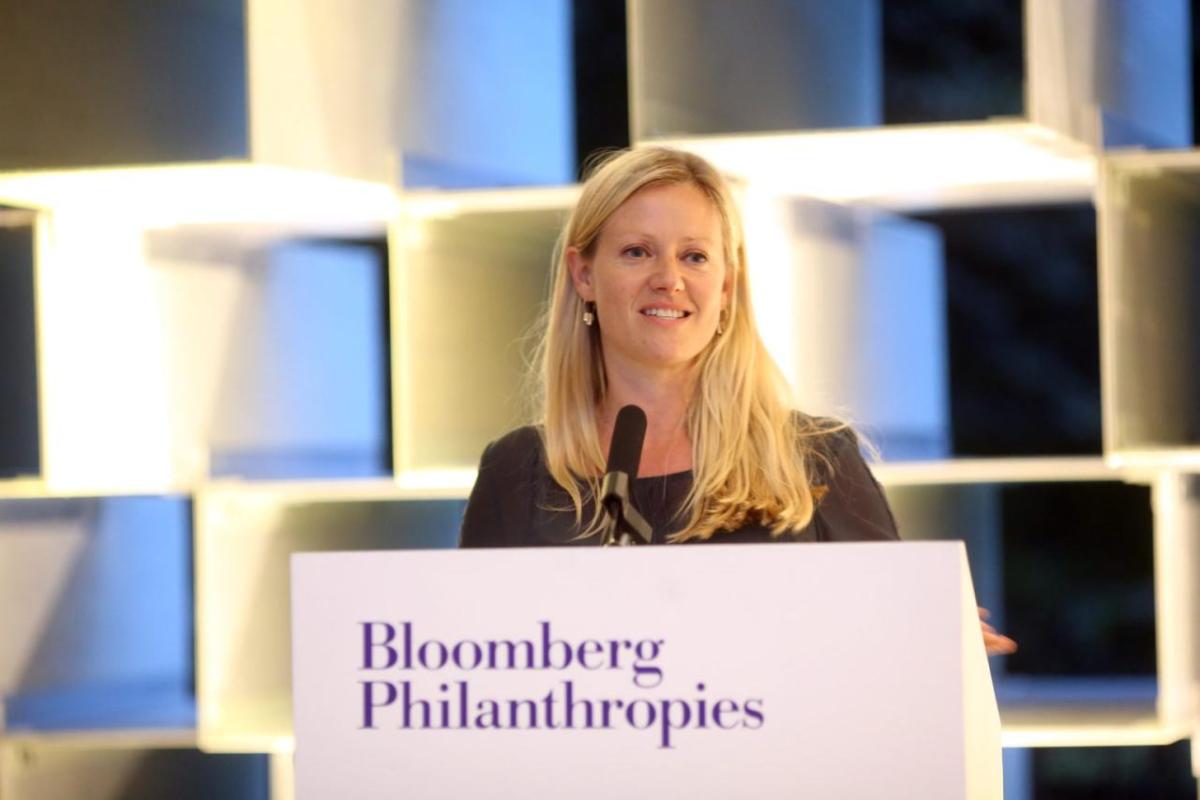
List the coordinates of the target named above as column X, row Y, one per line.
column 714, row 671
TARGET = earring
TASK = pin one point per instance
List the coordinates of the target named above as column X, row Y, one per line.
column 589, row 313
column 722, row 319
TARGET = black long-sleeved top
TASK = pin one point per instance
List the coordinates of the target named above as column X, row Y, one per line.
column 515, row 502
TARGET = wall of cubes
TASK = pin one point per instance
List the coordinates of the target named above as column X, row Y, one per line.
column 268, row 273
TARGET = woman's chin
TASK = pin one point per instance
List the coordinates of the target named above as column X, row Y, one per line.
column 668, row 359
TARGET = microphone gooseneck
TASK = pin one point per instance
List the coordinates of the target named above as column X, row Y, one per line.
column 625, row 525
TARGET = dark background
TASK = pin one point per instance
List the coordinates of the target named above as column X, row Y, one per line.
column 19, row 445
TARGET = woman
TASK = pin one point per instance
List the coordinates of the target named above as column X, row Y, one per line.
column 650, row 306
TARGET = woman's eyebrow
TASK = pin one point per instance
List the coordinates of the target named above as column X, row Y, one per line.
column 632, row 233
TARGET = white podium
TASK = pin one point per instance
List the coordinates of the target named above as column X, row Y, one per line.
column 764, row 671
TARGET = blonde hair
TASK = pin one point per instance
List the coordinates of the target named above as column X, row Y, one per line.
column 749, row 448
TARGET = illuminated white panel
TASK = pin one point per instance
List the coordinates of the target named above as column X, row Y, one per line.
column 997, row 470
column 131, row 351
column 102, row 359
column 302, row 390
column 1110, row 74
column 771, row 270
column 453, row 93
column 1148, row 210
column 245, row 535
column 158, row 348
column 1092, row 725
column 487, row 93
column 909, row 167
column 1176, row 501
column 711, row 66
column 469, row 278
column 323, row 85
column 850, row 304
column 155, row 197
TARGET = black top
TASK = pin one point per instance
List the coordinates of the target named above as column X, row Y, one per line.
column 515, row 502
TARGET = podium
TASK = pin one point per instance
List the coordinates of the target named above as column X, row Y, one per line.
column 749, row 671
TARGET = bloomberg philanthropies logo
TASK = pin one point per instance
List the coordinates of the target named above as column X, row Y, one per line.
column 397, row 704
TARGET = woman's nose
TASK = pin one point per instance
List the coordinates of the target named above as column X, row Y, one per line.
column 667, row 276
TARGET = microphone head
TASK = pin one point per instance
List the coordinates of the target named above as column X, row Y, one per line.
column 629, row 433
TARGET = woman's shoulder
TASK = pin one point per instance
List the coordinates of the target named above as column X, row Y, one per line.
column 500, row 506
column 516, row 447
column 516, row 458
column 852, row 505
column 827, row 440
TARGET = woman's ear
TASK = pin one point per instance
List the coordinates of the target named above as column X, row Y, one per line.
column 581, row 274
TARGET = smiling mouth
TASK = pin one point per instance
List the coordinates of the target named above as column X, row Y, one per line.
column 666, row 313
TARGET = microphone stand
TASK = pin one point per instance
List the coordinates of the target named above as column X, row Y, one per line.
column 624, row 521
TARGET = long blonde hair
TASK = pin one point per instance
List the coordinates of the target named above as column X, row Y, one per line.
column 749, row 448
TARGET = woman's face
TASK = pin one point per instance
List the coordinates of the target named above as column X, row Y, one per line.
column 658, row 277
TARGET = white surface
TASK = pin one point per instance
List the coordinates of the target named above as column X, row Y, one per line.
column 224, row 193
column 487, row 94
column 1176, row 556
column 996, row 470
column 441, row 204
column 1118, row 222
column 909, row 167
column 157, row 347
column 1104, row 72
column 1091, row 725
column 849, row 303
column 857, row 651
column 244, row 535
column 324, row 85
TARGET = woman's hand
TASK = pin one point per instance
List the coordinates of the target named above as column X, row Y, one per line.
column 996, row 644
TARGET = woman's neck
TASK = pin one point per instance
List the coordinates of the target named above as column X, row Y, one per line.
column 665, row 397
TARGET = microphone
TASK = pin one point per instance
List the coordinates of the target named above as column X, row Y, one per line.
column 624, row 455
column 629, row 434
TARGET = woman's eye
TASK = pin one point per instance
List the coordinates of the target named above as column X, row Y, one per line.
column 636, row 251
column 697, row 258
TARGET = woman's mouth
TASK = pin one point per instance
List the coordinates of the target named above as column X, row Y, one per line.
column 666, row 313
